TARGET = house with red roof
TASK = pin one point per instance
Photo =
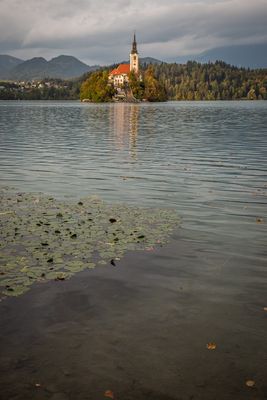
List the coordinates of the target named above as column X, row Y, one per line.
column 120, row 75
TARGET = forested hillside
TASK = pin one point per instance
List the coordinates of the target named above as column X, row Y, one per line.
column 213, row 81
column 191, row 81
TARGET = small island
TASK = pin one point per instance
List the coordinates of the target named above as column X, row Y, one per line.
column 126, row 82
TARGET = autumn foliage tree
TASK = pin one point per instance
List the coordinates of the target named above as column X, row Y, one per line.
column 96, row 88
column 154, row 90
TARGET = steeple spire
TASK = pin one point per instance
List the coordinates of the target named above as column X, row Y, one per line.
column 134, row 58
column 134, row 46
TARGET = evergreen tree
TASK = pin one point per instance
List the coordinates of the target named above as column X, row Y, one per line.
column 212, row 81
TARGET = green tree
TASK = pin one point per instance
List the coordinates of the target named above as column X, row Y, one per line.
column 137, row 86
column 96, row 88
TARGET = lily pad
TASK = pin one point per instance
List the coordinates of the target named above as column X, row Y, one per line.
column 50, row 239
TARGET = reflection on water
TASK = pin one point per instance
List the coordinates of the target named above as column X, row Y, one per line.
column 206, row 159
column 124, row 126
column 133, row 130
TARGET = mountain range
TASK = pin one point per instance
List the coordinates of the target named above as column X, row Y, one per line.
column 63, row 67
column 66, row 67
column 247, row 56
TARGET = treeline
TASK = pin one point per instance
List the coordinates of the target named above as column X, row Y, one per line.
column 61, row 90
column 190, row 81
column 212, row 81
column 160, row 82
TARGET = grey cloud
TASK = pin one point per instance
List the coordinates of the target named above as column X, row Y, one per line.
column 101, row 30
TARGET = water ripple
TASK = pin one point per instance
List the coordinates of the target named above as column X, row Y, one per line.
column 207, row 159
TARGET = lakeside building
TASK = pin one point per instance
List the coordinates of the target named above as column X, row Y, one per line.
column 120, row 76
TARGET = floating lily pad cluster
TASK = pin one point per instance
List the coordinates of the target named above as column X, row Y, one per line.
column 42, row 238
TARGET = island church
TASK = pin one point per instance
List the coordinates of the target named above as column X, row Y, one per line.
column 120, row 75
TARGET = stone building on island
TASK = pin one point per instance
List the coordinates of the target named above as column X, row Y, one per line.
column 120, row 76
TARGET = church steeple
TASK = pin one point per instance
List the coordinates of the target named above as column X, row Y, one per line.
column 134, row 46
column 134, row 58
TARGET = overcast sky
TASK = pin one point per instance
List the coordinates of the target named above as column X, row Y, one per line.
column 100, row 31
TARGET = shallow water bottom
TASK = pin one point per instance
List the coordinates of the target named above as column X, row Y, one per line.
column 140, row 330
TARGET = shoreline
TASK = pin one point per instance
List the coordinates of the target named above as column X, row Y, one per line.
column 137, row 102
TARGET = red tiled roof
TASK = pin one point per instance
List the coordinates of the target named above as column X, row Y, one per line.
column 121, row 69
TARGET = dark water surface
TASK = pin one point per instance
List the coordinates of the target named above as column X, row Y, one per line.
column 140, row 329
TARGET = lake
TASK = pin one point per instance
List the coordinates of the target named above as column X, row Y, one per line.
column 140, row 330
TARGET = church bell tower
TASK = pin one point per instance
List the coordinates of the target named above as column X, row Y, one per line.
column 134, row 58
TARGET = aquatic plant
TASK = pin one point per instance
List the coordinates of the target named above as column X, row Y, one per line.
column 46, row 239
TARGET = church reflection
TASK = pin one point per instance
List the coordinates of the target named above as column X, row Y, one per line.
column 124, row 126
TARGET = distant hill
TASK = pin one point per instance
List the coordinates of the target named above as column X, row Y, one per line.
column 63, row 67
column 69, row 67
column 250, row 56
column 7, row 63
column 149, row 60
column 143, row 61
column 35, row 68
column 247, row 56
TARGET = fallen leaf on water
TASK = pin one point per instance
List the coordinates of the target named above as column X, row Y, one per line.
column 264, row 308
column 37, row 385
column 109, row 394
column 250, row 383
column 6, row 212
column 211, row 346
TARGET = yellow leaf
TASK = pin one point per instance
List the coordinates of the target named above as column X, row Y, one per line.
column 211, row 346
column 250, row 383
column 109, row 394
column 149, row 248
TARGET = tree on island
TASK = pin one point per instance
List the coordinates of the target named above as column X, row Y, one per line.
column 96, row 88
column 148, row 88
column 137, row 86
column 154, row 90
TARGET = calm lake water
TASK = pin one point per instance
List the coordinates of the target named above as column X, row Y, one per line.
column 206, row 159
column 141, row 330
